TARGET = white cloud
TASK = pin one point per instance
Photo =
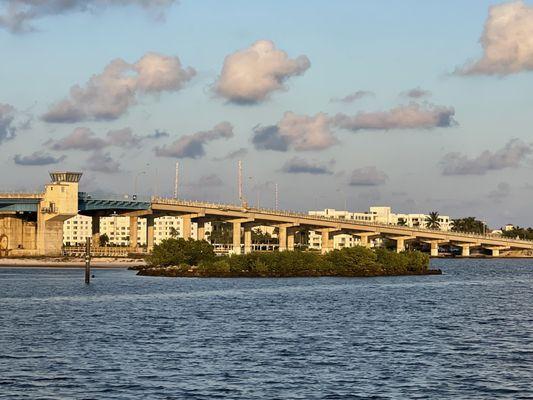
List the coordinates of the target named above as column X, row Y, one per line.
column 412, row 116
column 7, row 117
column 193, row 146
column 300, row 132
column 507, row 41
column 108, row 95
column 367, row 176
column 251, row 75
column 510, row 156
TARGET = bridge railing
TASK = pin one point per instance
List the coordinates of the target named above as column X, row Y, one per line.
column 301, row 215
column 19, row 195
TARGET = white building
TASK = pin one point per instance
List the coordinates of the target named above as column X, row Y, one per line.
column 117, row 229
column 379, row 215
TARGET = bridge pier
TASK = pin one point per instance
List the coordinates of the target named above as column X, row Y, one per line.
column 134, row 233
column 290, row 238
column 327, row 240
column 495, row 251
column 400, row 242
column 247, row 239
column 200, row 230
column 465, row 250
column 95, row 229
column 150, row 221
column 364, row 238
column 186, row 226
column 434, row 249
column 236, row 237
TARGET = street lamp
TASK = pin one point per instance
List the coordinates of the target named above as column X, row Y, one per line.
column 135, row 183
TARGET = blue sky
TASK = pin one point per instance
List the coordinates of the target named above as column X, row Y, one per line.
column 385, row 47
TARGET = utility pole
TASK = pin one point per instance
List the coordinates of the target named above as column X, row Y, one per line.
column 176, row 180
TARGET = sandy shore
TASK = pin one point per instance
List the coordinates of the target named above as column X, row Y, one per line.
column 70, row 262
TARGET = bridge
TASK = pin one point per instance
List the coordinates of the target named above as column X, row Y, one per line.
column 32, row 224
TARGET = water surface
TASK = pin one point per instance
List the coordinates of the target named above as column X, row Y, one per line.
column 465, row 334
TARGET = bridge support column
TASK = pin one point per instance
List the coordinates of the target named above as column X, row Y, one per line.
column 364, row 238
column 434, row 249
column 236, row 237
column 282, row 238
column 247, row 239
column 465, row 250
column 327, row 241
column 495, row 251
column 150, row 220
column 95, row 230
column 200, row 230
column 290, row 238
column 400, row 242
column 186, row 224
column 133, row 233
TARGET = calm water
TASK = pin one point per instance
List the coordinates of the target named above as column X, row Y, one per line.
column 467, row 334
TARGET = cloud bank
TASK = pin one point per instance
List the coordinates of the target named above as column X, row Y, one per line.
column 412, row 116
column 510, row 156
column 17, row 16
column 193, row 146
column 299, row 165
column 108, row 95
column 249, row 76
column 507, row 41
column 37, row 158
column 7, row 116
column 367, row 176
column 102, row 162
column 298, row 132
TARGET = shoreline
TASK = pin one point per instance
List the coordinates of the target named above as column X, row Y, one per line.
column 70, row 262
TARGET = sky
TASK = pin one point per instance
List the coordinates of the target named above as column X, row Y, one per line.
column 421, row 106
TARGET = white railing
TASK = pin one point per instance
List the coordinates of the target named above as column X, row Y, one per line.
column 294, row 214
column 79, row 251
column 19, row 195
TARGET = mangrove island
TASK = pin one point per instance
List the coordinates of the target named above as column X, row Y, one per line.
column 177, row 257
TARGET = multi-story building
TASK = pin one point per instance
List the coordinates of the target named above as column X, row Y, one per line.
column 117, row 229
column 76, row 230
column 379, row 215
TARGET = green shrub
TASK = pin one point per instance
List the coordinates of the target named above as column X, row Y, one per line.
column 180, row 251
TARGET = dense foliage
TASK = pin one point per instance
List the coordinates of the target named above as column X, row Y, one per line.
column 178, row 257
column 522, row 233
column 468, row 224
column 180, row 251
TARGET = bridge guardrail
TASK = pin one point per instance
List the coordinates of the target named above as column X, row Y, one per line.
column 233, row 207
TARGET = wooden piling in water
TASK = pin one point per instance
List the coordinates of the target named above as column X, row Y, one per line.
column 88, row 261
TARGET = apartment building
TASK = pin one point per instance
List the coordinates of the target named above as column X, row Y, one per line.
column 376, row 214
column 117, row 229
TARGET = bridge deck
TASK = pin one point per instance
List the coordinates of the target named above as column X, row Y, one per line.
column 319, row 222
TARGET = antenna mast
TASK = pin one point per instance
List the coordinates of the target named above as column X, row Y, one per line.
column 177, row 180
column 276, row 189
column 241, row 198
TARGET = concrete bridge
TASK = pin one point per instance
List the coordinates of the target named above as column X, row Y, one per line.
column 32, row 224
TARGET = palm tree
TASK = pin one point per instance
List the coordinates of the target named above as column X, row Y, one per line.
column 432, row 220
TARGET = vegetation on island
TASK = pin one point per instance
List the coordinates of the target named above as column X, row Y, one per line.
column 191, row 258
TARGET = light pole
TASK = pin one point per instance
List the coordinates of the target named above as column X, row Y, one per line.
column 340, row 191
column 135, row 183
